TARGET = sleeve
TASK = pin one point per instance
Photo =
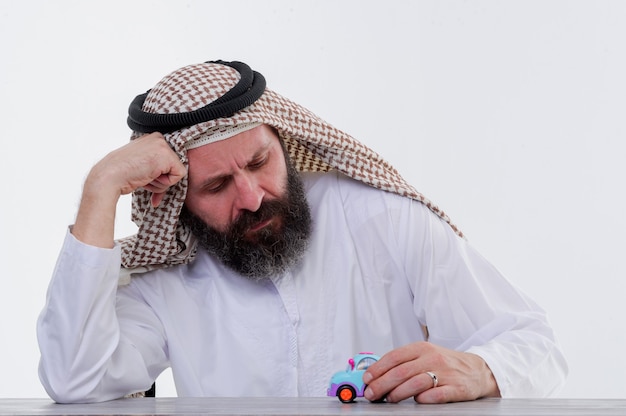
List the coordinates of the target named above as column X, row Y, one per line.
column 86, row 354
column 467, row 305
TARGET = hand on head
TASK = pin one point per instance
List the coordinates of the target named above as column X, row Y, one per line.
column 147, row 162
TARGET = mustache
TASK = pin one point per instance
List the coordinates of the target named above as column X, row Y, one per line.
column 248, row 219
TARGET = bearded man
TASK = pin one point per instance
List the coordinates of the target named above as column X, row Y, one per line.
column 270, row 247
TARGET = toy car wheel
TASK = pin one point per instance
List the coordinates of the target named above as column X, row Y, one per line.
column 346, row 394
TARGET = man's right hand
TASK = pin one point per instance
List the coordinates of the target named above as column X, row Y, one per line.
column 146, row 162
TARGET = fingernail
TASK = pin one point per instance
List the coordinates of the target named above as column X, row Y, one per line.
column 368, row 394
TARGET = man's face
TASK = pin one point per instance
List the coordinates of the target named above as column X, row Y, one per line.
column 246, row 205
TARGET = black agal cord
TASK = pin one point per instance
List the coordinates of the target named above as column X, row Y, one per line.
column 249, row 88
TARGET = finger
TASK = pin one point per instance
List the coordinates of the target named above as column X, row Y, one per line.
column 173, row 173
column 385, row 363
column 443, row 394
column 396, row 367
column 157, row 186
column 156, row 198
column 162, row 183
column 411, row 388
column 176, row 173
column 398, row 356
column 392, row 380
column 163, row 180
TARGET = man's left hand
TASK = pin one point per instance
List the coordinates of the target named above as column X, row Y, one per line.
column 403, row 372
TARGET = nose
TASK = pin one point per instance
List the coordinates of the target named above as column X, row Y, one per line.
column 249, row 194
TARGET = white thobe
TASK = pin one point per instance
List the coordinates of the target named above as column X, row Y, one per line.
column 379, row 268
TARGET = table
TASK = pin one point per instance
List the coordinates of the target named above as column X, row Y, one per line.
column 314, row 406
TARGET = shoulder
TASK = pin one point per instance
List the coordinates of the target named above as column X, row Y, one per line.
column 359, row 201
column 338, row 185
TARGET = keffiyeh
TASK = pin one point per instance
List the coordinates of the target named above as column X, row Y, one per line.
column 194, row 102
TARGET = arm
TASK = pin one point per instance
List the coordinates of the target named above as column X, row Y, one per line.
column 146, row 162
column 94, row 346
column 87, row 353
column 485, row 337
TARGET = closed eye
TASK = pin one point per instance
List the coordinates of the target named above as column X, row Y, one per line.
column 258, row 163
column 217, row 185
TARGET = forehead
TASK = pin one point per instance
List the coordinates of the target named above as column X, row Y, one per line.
column 239, row 149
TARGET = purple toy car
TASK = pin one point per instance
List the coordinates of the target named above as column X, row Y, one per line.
column 348, row 385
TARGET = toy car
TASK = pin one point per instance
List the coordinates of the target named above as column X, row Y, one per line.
column 348, row 385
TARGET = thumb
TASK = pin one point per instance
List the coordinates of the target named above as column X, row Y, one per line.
column 156, row 198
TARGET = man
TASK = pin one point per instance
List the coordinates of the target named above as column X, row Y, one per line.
column 272, row 246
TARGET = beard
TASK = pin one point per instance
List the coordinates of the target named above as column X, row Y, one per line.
column 270, row 251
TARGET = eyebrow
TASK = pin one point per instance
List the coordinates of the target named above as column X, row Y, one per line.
column 210, row 180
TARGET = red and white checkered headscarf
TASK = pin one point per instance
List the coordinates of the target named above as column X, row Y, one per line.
column 313, row 145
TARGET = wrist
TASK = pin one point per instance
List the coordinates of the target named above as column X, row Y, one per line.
column 95, row 220
column 489, row 383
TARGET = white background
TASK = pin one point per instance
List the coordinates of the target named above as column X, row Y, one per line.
column 508, row 114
